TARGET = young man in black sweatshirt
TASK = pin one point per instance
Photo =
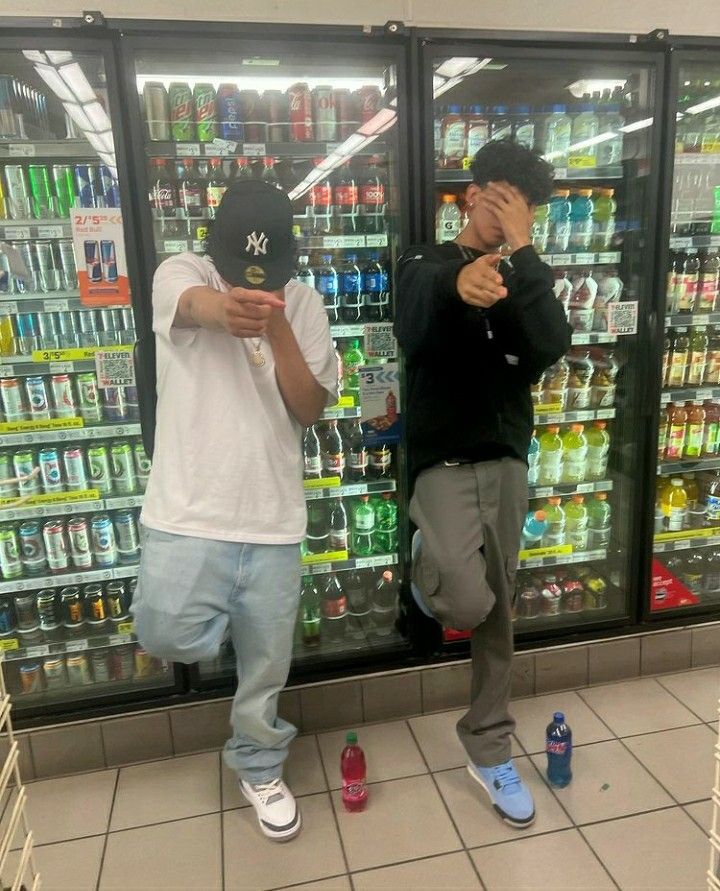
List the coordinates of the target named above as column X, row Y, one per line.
column 477, row 330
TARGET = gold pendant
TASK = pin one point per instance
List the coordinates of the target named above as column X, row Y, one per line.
column 257, row 358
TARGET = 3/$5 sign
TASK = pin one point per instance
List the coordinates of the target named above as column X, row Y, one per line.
column 99, row 245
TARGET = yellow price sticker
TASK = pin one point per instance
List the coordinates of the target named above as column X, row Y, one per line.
column 81, row 354
column 330, row 557
column 39, row 426
column 126, row 628
column 548, row 407
column 554, row 551
column 583, row 161
column 710, row 147
column 55, row 498
column 328, row 482
column 466, row 162
column 686, row 535
column 11, row 644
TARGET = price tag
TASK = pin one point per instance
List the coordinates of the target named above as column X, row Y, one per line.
column 126, row 628
column 581, row 338
column 358, row 489
column 7, row 371
column 585, row 259
column 542, row 492
column 21, row 150
column 609, row 257
column 55, row 305
column 664, row 398
column 8, row 307
column 11, row 643
column 332, row 556
column 701, row 320
column 254, row 149
column 12, row 232
column 175, row 247
column 561, row 259
column 61, row 367
column 331, row 147
column 548, row 407
column 586, row 487
column 561, row 173
column 581, row 161
column 321, row 568
column 221, row 147
column 50, row 232
column 188, row 150
column 552, row 419
column 332, row 241
column 117, row 639
column 42, row 650
column 553, row 551
column 702, row 395
column 711, row 147
column 76, row 646
column 198, row 247
column 329, row 482
column 352, row 241
column 380, row 240
column 39, row 426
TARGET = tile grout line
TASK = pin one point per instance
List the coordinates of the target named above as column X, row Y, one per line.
column 683, row 704
column 445, row 805
column 107, row 829
column 332, row 808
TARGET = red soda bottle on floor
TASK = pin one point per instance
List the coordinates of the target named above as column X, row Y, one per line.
column 353, row 772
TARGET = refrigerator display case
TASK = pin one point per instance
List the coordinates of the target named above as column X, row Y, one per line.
column 72, row 466
column 208, row 112
column 592, row 114
column 686, row 548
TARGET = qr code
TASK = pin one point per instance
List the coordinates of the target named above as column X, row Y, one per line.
column 622, row 317
column 115, row 368
column 380, row 341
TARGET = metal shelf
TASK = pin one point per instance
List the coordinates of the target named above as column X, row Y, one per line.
column 22, row 230
column 46, row 148
column 254, row 150
column 71, row 433
column 689, row 320
column 693, row 394
column 580, row 339
column 305, row 242
column 571, row 489
column 51, row 301
column 693, row 538
column 561, row 173
column 18, row 366
column 583, row 258
column 13, row 651
column 350, row 489
column 574, row 417
column 667, row 468
column 529, row 562
column 62, row 509
column 351, row 563
column 357, row 330
column 697, row 158
column 699, row 241
column 34, row 583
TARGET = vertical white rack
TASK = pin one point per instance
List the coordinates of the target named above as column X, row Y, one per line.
column 14, row 827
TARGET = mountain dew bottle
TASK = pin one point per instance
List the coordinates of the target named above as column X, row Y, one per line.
column 352, row 359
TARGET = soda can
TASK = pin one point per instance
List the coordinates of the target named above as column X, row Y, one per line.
column 251, row 112
column 66, row 326
column 157, row 111
column 13, row 404
column 108, row 188
column 24, row 467
column 86, row 185
column 17, row 199
column 68, row 266
column 228, row 110
column 10, row 562
column 144, row 663
column 88, row 328
column 32, row 547
column 323, row 112
column 122, row 468
column 8, row 124
column 47, row 608
column 99, row 466
column 182, row 112
column 26, row 612
column 8, row 622
column 31, row 677
column 40, row 192
column 114, row 405
column 132, row 403
column 71, row 608
column 50, row 473
column 100, row 667
column 78, row 670
column 49, row 276
column 93, row 266
column 37, row 397
column 128, row 321
column 122, row 663
column 47, row 329
column 7, row 472
column 116, row 600
column 55, row 675
column 143, row 465
column 27, row 328
column 278, row 115
column 74, row 465
column 370, row 102
column 347, row 113
column 62, row 396
column 79, row 536
column 109, row 261
column 63, row 177
column 206, row 112
column 89, row 397
column 300, row 113
column 128, row 538
column 94, row 605
column 56, row 546
column 103, row 541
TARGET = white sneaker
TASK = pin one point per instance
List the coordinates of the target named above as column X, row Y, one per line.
column 276, row 808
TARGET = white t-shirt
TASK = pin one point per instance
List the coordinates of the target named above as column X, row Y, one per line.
column 228, row 455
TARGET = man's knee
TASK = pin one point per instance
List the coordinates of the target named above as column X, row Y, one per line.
column 462, row 598
column 162, row 636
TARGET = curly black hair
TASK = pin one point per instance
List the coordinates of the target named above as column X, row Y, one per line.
column 505, row 159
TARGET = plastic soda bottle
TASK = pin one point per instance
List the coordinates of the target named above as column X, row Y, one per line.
column 550, row 457
column 576, row 523
column 555, row 518
column 310, row 617
column 574, row 468
column 679, row 358
column 697, row 360
column 674, row 505
column 386, row 517
column 353, row 358
column 695, row 433
column 677, row 425
column 559, row 219
column 599, row 516
column 533, row 459
column 604, row 207
column 354, row 775
column 558, row 745
column 534, row 528
column 557, row 136
column 598, row 448
column 448, row 219
column 326, row 281
column 362, row 536
column 581, row 220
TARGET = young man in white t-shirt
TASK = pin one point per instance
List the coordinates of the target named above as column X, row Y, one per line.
column 244, row 361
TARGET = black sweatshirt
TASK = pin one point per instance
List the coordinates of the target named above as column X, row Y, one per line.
column 469, row 370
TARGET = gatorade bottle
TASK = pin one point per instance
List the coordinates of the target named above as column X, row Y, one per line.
column 533, row 460
column 558, row 131
column 585, row 127
column 524, row 126
column 581, row 220
column 448, row 220
column 558, row 746
column 610, row 152
column 550, row 457
column 574, row 466
column 675, row 505
column 354, row 775
column 541, row 228
column 576, row 523
column 598, row 448
column 559, row 221
column 555, row 519
column 599, row 517
column 604, row 207
column 534, row 528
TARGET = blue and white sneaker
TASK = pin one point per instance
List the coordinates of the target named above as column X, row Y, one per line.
column 417, row 596
column 510, row 797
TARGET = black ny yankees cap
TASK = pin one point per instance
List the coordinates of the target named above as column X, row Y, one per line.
column 251, row 241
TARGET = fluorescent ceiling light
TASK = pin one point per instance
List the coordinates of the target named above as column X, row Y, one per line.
column 703, row 106
column 59, row 57
column 636, row 125
column 262, row 83
column 98, row 116
column 79, row 116
column 595, row 85
column 95, row 141
column 107, row 142
column 453, row 71
column 74, row 77
column 35, row 56
column 55, row 82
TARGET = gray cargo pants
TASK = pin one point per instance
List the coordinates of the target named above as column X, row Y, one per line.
column 470, row 517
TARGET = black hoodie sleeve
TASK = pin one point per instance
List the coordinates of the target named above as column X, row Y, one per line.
column 530, row 322
column 427, row 306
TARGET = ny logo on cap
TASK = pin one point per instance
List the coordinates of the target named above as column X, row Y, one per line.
column 257, row 243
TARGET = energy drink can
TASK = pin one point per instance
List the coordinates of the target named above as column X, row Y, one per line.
column 99, row 465
column 89, row 397
column 128, row 539
column 55, row 674
column 26, row 612
column 24, row 466
column 114, row 404
column 94, row 605
column 79, row 536
column 47, row 608
column 78, row 670
column 63, row 397
column 56, row 546
column 50, row 474
column 10, row 562
column 37, row 396
column 109, row 261
column 116, row 600
column 103, row 541
column 100, row 667
column 8, row 622
column 31, row 677
column 93, row 265
column 74, row 464
column 32, row 548
column 122, row 468
column 13, row 403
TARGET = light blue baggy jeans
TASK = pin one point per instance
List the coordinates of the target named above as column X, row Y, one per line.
column 189, row 591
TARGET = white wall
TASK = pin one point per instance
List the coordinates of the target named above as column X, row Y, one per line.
column 679, row 16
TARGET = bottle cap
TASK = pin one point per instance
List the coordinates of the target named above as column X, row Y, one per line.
column 449, row 199
column 351, row 738
column 387, row 575
column 454, row 109
column 601, row 496
column 578, row 499
column 559, row 109
column 540, row 516
column 553, row 429
column 554, row 500
column 677, row 483
column 559, row 718
column 577, row 428
column 600, row 425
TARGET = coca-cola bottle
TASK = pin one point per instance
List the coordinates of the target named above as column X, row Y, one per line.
column 334, row 611
column 313, row 454
column 345, row 200
column 371, row 199
column 358, row 603
column 358, row 455
column 163, row 197
column 240, row 170
column 384, row 604
column 338, row 526
column 333, row 452
column 269, row 174
column 380, row 462
column 190, row 190
column 320, row 204
column 215, row 186
column 317, row 538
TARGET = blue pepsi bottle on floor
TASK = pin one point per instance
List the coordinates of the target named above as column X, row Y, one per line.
column 558, row 745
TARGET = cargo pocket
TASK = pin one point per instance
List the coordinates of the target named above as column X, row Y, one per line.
column 426, row 576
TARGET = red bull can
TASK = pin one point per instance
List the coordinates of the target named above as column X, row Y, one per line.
column 114, row 404
column 86, row 185
column 93, row 266
column 109, row 261
column 108, row 187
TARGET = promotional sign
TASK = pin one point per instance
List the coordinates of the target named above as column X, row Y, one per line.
column 100, row 256
column 380, row 400
column 667, row 591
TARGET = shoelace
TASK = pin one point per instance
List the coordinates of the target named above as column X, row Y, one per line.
column 506, row 777
column 269, row 793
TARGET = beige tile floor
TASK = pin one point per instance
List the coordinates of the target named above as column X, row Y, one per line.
column 634, row 817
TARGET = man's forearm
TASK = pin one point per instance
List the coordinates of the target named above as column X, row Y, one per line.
column 303, row 395
column 199, row 307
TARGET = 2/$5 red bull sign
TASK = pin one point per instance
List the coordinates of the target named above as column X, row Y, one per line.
column 100, row 256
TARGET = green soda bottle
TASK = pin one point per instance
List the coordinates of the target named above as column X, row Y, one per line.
column 353, row 358
column 386, row 516
column 362, row 538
